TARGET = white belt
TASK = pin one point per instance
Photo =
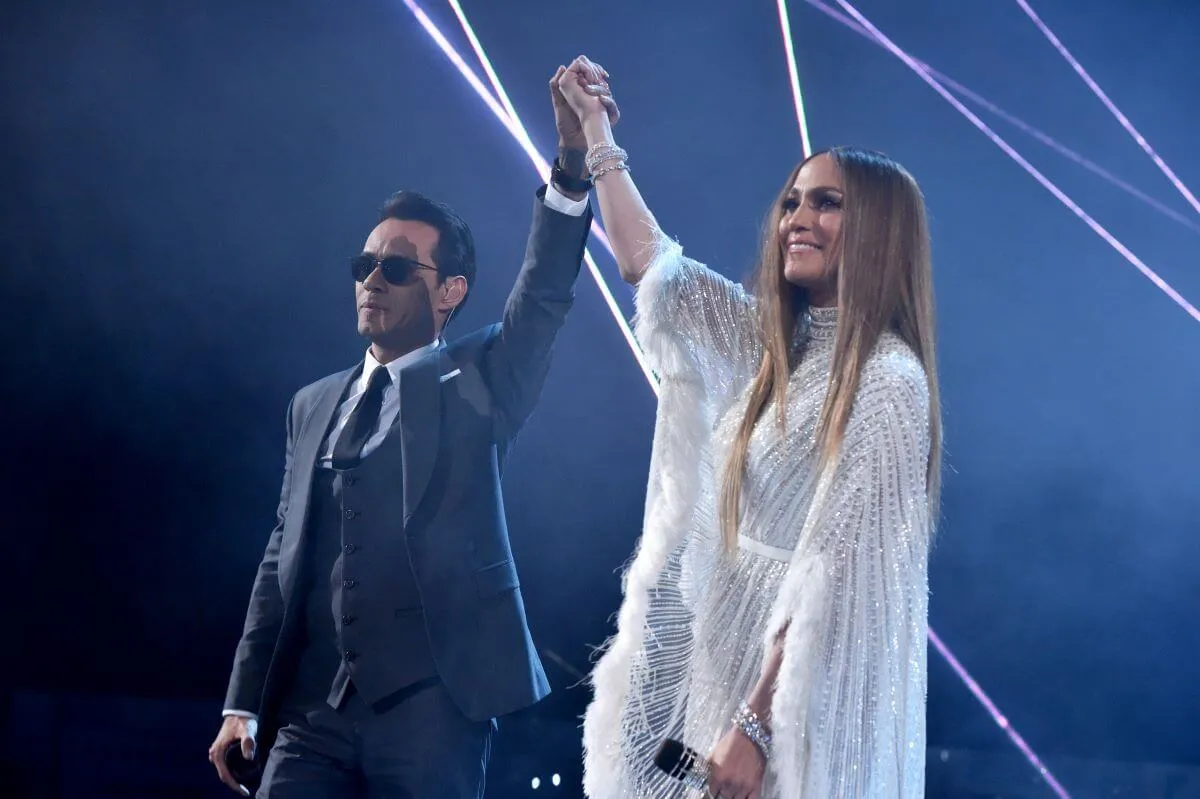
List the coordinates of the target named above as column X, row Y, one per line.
column 766, row 550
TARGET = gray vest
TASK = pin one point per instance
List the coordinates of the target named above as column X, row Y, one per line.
column 363, row 618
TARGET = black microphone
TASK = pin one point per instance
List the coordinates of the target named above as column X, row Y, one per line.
column 245, row 772
column 683, row 763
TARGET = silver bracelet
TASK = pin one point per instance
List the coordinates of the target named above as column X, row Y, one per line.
column 748, row 722
column 597, row 154
column 696, row 777
column 617, row 167
column 601, row 150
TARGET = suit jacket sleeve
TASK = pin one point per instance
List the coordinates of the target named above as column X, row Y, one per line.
column 264, row 617
column 518, row 359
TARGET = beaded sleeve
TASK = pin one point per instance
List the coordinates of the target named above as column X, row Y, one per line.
column 849, row 707
column 694, row 323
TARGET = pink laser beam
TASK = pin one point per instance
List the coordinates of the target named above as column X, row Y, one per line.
column 498, row 87
column 1018, row 123
column 785, row 25
column 517, row 131
column 1109, row 104
column 488, row 70
column 1008, row 149
column 1000, row 719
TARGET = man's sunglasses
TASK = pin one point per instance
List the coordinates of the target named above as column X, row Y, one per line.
column 397, row 269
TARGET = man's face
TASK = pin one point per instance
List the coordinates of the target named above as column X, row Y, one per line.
column 390, row 313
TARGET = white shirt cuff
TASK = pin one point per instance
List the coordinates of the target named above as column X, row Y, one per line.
column 557, row 201
column 244, row 714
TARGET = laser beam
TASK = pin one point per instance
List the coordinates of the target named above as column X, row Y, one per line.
column 1109, row 104
column 785, row 25
column 1011, row 152
column 517, row 131
column 1000, row 719
column 1017, row 122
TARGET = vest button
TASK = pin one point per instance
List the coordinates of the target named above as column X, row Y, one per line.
column 349, row 655
column 349, row 549
column 349, row 513
column 348, row 584
column 347, row 620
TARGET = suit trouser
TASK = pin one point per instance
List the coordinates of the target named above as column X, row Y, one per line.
column 415, row 744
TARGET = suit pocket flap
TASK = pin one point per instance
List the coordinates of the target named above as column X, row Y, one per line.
column 496, row 578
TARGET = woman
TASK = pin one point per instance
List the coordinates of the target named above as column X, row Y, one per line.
column 775, row 616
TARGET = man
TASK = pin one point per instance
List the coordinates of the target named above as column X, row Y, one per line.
column 386, row 629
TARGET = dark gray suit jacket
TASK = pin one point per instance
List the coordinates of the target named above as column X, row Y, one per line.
column 460, row 408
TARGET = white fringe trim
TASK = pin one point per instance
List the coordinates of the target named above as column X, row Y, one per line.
column 679, row 433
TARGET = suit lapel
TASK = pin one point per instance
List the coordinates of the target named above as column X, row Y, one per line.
column 420, row 422
column 304, row 463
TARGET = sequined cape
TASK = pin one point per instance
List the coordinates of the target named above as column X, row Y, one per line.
column 836, row 563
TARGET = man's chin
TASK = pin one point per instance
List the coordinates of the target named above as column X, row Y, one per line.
column 370, row 324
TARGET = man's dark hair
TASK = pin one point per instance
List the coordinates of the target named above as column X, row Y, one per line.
column 455, row 251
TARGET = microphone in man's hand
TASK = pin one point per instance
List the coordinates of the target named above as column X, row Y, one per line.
column 683, row 763
column 245, row 772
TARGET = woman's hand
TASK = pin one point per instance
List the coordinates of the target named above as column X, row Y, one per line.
column 738, row 767
column 583, row 86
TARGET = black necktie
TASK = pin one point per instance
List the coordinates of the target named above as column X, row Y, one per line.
column 348, row 450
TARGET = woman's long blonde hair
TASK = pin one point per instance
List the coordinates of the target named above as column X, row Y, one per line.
column 884, row 282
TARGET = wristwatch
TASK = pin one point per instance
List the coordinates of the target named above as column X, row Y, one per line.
column 567, row 182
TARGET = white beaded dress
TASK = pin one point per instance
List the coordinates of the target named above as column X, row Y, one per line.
column 839, row 562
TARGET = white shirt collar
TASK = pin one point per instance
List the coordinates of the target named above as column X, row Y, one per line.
column 370, row 364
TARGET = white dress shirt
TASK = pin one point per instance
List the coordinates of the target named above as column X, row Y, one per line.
column 563, row 204
column 388, row 413
column 554, row 200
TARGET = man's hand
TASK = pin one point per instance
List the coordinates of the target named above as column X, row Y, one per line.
column 570, row 131
column 234, row 728
column 582, row 89
column 738, row 767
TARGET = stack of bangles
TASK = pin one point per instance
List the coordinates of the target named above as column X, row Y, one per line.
column 604, row 158
column 754, row 729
